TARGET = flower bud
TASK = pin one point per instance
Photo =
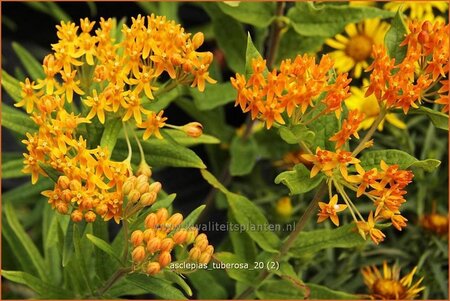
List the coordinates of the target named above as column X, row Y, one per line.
column 90, row 216
column 101, row 209
column 175, row 220
column 144, row 169
column 138, row 254
column 137, row 237
column 154, row 245
column 153, row 268
column 148, row 199
column 76, row 216
column 209, row 250
column 167, row 244
column 66, row 195
column 134, row 196
column 204, row 258
column 191, row 235
column 62, row 207
column 193, row 129
column 75, row 185
column 151, row 221
column 194, row 254
column 155, row 187
column 128, row 185
column 142, row 187
column 201, row 244
column 423, row 37
column 149, row 234
column 63, row 182
column 164, row 258
column 197, row 40
column 180, row 236
column 162, row 215
column 427, row 26
column 142, row 179
column 201, row 236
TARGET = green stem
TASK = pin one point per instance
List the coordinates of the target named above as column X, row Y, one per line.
column 370, row 132
column 141, row 150
column 130, row 150
column 112, row 280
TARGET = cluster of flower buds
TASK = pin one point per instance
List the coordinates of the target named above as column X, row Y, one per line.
column 153, row 246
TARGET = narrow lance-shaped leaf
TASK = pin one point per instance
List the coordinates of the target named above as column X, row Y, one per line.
column 33, row 67
column 394, row 37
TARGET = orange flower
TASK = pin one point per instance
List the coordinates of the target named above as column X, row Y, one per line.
column 330, row 210
column 323, row 161
column 349, row 127
column 153, row 124
column 368, row 227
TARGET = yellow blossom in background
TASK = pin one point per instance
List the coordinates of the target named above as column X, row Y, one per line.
column 389, row 285
column 421, row 10
column 370, row 107
column 284, row 207
column 353, row 49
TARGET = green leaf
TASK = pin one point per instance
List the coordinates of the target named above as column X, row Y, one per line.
column 67, row 252
column 394, row 36
column 372, row 159
column 112, row 129
column 26, row 193
column 56, row 12
column 159, row 287
column 164, row 203
column 298, row 180
column 33, row 67
column 242, row 244
column 296, row 133
column 163, row 100
column 251, row 53
column 293, row 44
column 184, row 140
column 279, row 289
column 161, row 153
column 230, row 36
column 51, row 173
column 25, row 250
column 240, row 270
column 324, row 128
column 189, row 221
column 214, row 95
column 248, row 215
column 104, row 246
column 83, row 276
column 243, row 154
column 170, row 10
column 260, row 14
column 17, row 121
column 328, row 20
column 12, row 86
column 439, row 119
column 175, row 278
column 43, row 289
column 206, row 286
column 12, row 169
column 319, row 292
column 311, row 242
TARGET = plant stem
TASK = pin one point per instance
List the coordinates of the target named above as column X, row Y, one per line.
column 275, row 35
column 113, row 279
column 369, row 133
column 309, row 211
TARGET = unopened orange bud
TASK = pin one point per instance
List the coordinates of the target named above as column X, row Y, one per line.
column 164, row 258
column 62, row 207
column 134, row 196
column 197, row 40
column 155, row 187
column 154, row 245
column 63, row 182
column 423, row 37
column 201, row 236
column 202, row 244
column 193, row 129
column 427, row 26
column 90, row 216
column 75, row 185
column 194, row 254
column 153, row 268
column 191, row 235
column 144, row 169
column 209, row 250
column 66, row 195
column 167, row 244
column 76, row 216
column 128, row 185
column 142, row 187
column 142, row 179
column 151, row 221
column 204, row 258
column 175, row 220
column 180, row 236
column 138, row 254
column 137, row 237
column 149, row 234
column 162, row 215
column 148, row 198
column 101, row 209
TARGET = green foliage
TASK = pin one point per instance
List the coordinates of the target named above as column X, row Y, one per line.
column 243, row 154
column 258, row 14
column 104, row 246
column 280, row 289
column 31, row 65
column 295, row 134
column 214, row 96
column 299, row 180
column 17, row 121
column 238, row 271
column 11, row 86
column 439, row 120
column 110, row 133
column 319, row 292
column 394, row 37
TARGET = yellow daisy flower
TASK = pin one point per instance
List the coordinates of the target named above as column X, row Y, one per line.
column 370, row 107
column 354, row 49
column 389, row 286
column 422, row 10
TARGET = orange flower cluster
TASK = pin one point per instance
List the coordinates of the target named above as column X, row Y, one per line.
column 153, row 246
column 326, row 161
column 298, row 84
column 405, row 84
column 349, row 127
